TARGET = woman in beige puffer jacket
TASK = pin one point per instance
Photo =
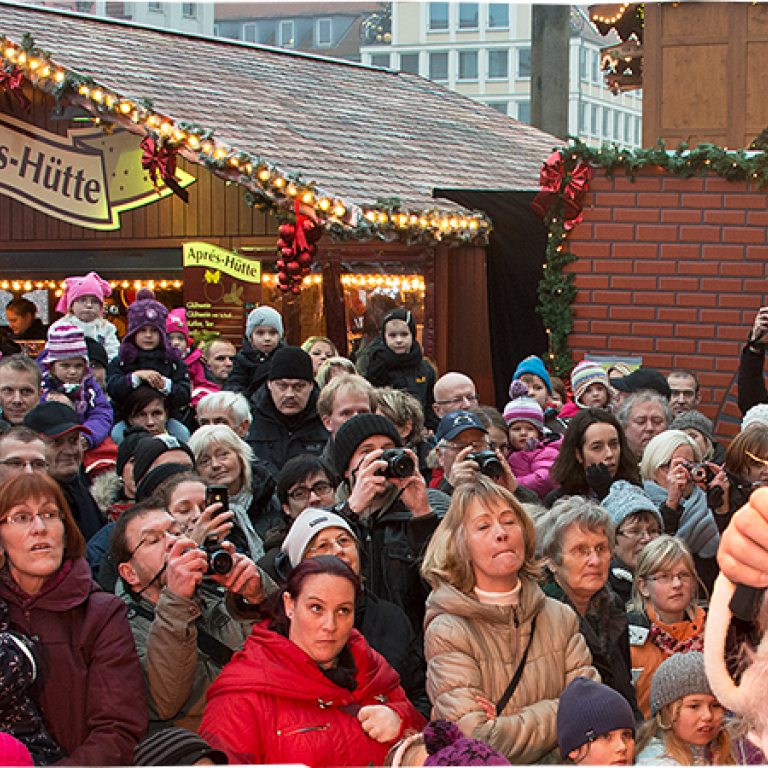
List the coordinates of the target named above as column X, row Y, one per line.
column 481, row 566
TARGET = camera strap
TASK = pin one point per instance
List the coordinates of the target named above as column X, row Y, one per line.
column 507, row 695
column 218, row 652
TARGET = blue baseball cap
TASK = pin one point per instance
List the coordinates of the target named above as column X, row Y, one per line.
column 457, row 422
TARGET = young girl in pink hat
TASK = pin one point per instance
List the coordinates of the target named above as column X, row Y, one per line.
column 83, row 304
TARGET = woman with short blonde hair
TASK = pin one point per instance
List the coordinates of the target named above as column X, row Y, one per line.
column 487, row 622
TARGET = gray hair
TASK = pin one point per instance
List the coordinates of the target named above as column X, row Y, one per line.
column 566, row 513
column 325, row 373
column 227, row 401
column 220, row 434
column 643, row 396
column 659, row 451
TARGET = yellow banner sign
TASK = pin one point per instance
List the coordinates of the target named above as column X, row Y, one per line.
column 217, row 260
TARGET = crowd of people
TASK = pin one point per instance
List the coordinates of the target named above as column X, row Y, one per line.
column 281, row 555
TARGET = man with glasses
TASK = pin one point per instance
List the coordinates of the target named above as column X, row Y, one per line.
column 285, row 419
column 460, row 435
column 186, row 624
column 454, row 392
column 21, row 450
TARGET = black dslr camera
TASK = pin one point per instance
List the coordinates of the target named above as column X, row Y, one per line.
column 399, row 463
column 488, row 462
column 220, row 562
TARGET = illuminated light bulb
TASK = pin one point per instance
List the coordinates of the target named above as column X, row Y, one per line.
column 307, row 198
column 414, row 219
column 59, row 76
column 279, row 182
column 34, row 63
column 207, row 147
column 151, row 284
column 463, row 223
column 177, row 284
column 292, row 191
column 249, row 168
column 45, row 71
column 27, row 286
column 233, row 161
column 83, row 90
column 97, row 95
column 9, row 52
column 163, row 283
column 264, row 174
column 339, row 211
column 16, row 286
column 125, row 284
column 5, row 285
column 406, row 286
column 324, row 204
column 444, row 224
column 317, row 279
column 219, row 153
column 59, row 292
column 371, row 216
column 434, row 223
column 193, row 141
column 166, row 128
column 22, row 58
column 126, row 107
column 383, row 218
column 423, row 222
column 153, row 120
column 454, row 223
column 38, row 285
column 137, row 284
column 379, row 281
column 179, row 135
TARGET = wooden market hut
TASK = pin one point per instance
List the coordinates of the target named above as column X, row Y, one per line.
column 395, row 165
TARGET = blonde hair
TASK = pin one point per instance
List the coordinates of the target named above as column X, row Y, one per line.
column 325, row 373
column 447, row 557
column 659, row 451
column 661, row 554
column 662, row 725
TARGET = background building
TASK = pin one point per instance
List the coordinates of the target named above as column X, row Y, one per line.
column 483, row 50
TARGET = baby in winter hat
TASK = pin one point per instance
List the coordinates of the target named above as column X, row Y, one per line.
column 591, row 388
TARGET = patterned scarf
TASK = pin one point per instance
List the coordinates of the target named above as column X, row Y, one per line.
column 669, row 644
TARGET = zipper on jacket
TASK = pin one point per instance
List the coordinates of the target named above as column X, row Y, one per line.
column 297, row 731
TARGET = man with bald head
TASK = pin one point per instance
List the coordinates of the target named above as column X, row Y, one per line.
column 454, row 392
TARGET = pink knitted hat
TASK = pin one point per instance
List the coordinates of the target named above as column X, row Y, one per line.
column 177, row 322
column 75, row 287
column 523, row 408
column 13, row 752
column 64, row 342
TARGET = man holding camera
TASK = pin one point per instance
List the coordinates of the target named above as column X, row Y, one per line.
column 385, row 500
column 186, row 622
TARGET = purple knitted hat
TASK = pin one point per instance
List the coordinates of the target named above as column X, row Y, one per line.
column 447, row 745
column 523, row 408
column 146, row 310
column 64, row 342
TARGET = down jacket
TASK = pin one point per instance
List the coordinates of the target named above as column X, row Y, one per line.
column 473, row 649
column 272, row 704
column 532, row 468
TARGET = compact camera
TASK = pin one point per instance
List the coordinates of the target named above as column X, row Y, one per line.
column 399, row 463
column 488, row 462
column 700, row 473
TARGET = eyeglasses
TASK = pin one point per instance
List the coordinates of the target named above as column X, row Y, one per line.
column 302, row 493
column 478, row 445
column 503, row 447
column 638, row 533
column 344, row 541
column 153, row 538
column 457, row 401
column 583, row 552
column 756, row 458
column 36, row 465
column 25, row 519
column 667, row 578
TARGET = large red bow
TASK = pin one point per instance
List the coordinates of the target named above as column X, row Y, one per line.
column 574, row 186
column 160, row 161
column 13, row 82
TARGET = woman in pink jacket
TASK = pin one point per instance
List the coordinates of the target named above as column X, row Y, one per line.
column 307, row 688
column 530, row 457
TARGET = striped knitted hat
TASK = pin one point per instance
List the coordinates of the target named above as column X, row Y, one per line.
column 584, row 374
column 65, row 342
column 523, row 408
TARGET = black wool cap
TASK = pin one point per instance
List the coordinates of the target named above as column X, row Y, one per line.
column 175, row 746
column 291, row 363
column 156, row 477
column 148, row 450
column 355, row 431
column 96, row 352
column 126, row 449
column 400, row 314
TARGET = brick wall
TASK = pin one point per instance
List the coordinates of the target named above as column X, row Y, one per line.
column 672, row 270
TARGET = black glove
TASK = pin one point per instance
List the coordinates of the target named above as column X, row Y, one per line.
column 599, row 479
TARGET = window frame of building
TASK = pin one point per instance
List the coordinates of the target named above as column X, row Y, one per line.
column 497, row 106
column 473, row 24
column 382, row 56
column 520, row 51
column 413, row 56
column 596, row 67
column 155, row 7
column 595, row 121
column 617, row 125
column 319, row 43
column 524, row 112
column 606, row 133
column 250, row 26
column 464, row 58
column 505, row 25
column 495, row 54
column 285, row 24
column 432, row 58
column 435, row 24
column 189, row 10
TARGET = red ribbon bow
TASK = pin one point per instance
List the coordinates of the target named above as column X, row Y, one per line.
column 299, row 238
column 160, row 161
column 13, row 82
column 573, row 185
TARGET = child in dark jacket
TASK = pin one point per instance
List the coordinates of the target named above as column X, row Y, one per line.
column 18, row 714
column 396, row 361
column 67, row 378
column 147, row 357
column 250, row 366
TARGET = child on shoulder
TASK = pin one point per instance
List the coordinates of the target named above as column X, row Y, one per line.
column 250, row 366
column 147, row 357
column 178, row 333
column 67, row 378
column 534, row 375
column 591, row 388
column 83, row 304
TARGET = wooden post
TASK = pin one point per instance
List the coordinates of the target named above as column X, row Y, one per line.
column 334, row 308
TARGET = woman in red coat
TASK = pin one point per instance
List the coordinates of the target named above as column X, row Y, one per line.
column 307, row 688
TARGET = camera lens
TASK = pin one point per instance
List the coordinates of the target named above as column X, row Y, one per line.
column 220, row 562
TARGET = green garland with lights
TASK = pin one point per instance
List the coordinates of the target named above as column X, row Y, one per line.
column 557, row 289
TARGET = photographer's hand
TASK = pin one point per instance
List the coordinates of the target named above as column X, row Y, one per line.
column 743, row 551
column 213, row 522
column 463, row 470
column 244, row 579
column 367, row 484
column 720, row 480
column 413, row 490
column 185, row 567
column 678, row 479
column 760, row 327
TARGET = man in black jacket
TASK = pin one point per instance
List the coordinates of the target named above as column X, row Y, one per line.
column 285, row 419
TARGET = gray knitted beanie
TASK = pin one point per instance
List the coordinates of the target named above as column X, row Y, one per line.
column 695, row 420
column 682, row 674
column 263, row 316
column 625, row 499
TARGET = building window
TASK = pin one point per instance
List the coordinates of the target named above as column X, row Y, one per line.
column 524, row 112
column 523, row 62
column 617, row 125
column 286, row 34
column 469, row 16
column 594, row 124
column 438, row 66
column 380, row 60
column 595, row 67
column 498, row 16
column 606, row 123
column 498, row 65
column 499, row 106
column 438, row 16
column 628, row 129
column 189, row 10
column 583, row 73
column 467, row 65
column 583, row 128
column 638, row 137
column 156, row 7
column 409, row 62
column 249, row 33
column 323, row 33
column 216, row 31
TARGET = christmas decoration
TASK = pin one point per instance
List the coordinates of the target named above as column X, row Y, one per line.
column 297, row 250
column 160, row 160
column 557, row 183
column 12, row 82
